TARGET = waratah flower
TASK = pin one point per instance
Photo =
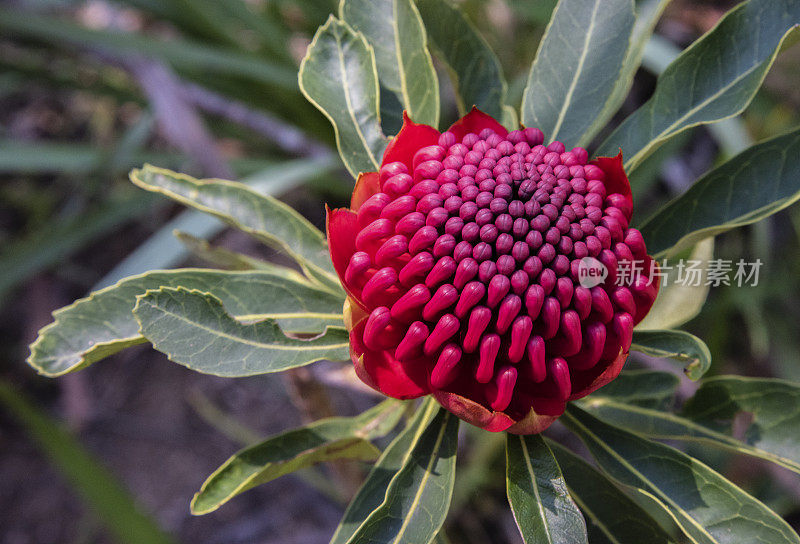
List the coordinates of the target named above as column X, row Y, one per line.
column 462, row 262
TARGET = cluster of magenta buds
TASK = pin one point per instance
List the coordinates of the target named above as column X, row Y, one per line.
column 464, row 260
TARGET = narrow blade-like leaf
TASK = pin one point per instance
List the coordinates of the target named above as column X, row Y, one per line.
column 193, row 329
column 577, row 66
column 712, row 80
column 181, row 54
column 103, row 493
column 679, row 345
column 394, row 30
column 418, row 496
column 207, row 15
column 609, row 510
column 54, row 241
column 708, row 508
column 262, row 216
column 102, row 324
column 321, row 441
column 753, row 185
column 475, row 71
column 537, row 493
column 338, row 75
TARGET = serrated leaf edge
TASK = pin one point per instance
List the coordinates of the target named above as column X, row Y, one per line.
column 140, row 300
column 333, row 20
column 311, row 270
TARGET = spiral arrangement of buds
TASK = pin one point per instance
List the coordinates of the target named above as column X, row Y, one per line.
column 461, row 258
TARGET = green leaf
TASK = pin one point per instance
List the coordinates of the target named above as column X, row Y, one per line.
column 648, row 174
column 323, row 440
column 473, row 478
column 474, row 68
column 162, row 250
column 339, row 76
column 537, row 493
column 417, row 498
column 75, row 159
column 231, row 22
column 576, row 68
column 752, row 416
column 192, row 328
column 680, row 301
column 745, row 423
column 609, row 510
column 209, row 17
column 647, row 14
column 391, row 112
column 509, row 118
column 52, row 157
column 55, row 240
column 715, row 78
column 646, row 388
column 773, row 406
column 373, row 491
column 102, row 324
column 753, row 185
column 678, row 345
column 708, row 508
column 728, row 412
column 103, row 493
column 220, row 256
column 262, row 216
column 394, row 30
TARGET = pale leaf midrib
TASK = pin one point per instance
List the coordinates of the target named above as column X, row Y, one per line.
column 710, row 434
column 350, row 111
column 621, row 460
column 287, row 315
column 237, row 339
column 577, row 74
column 595, row 519
column 540, row 508
column 666, row 133
column 404, row 460
column 306, row 261
column 421, row 488
column 400, row 63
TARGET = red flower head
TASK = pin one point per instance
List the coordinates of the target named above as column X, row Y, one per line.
column 462, row 259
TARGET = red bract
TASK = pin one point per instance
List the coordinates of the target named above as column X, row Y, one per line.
column 462, row 261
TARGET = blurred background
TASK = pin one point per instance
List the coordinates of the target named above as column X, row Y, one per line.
column 90, row 89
